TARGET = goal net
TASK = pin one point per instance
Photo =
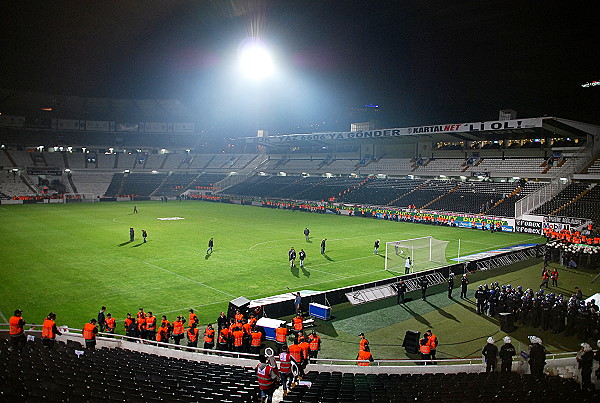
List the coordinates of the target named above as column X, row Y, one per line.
column 424, row 253
column 80, row 198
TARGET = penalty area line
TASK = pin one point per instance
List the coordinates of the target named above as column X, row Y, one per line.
column 187, row 278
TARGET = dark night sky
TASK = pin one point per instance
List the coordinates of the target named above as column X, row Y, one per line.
column 422, row 61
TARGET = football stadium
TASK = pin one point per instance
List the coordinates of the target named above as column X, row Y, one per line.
column 143, row 259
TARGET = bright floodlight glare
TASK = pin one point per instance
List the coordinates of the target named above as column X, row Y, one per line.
column 255, row 60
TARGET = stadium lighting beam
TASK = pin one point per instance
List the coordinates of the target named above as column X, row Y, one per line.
column 255, row 60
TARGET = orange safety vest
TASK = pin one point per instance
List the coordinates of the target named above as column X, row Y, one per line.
column 15, row 328
column 110, row 324
column 363, row 343
column 141, row 323
column 162, row 334
column 224, row 335
column 48, row 329
column 433, row 342
column 298, row 323
column 177, row 327
column 247, row 328
column 238, row 338
column 256, row 339
column 305, row 347
column 151, row 323
column 315, row 342
column 193, row 318
column 364, row 355
column 209, row 335
column 425, row 348
column 238, row 317
column 88, row 331
column 296, row 352
column 280, row 334
column 192, row 334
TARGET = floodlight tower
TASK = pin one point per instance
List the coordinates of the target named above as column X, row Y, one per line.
column 255, row 60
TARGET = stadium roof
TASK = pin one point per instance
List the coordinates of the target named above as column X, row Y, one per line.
column 74, row 107
column 530, row 128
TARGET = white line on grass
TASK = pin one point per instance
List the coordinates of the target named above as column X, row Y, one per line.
column 187, row 278
column 3, row 317
column 276, row 240
column 273, row 292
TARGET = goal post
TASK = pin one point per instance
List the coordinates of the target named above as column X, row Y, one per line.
column 425, row 253
column 80, row 197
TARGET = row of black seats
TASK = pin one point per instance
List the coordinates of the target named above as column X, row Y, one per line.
column 334, row 387
column 58, row 374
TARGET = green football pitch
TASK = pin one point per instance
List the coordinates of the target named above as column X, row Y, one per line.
column 73, row 258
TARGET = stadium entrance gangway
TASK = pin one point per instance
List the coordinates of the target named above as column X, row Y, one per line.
column 388, row 290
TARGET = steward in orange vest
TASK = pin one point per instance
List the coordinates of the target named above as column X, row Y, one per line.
column 223, row 340
column 110, row 323
column 298, row 323
column 281, row 336
column 90, row 330
column 424, row 348
column 17, row 331
column 364, row 343
column 256, row 340
column 209, row 337
column 296, row 353
column 364, row 357
column 314, row 342
column 305, row 347
column 130, row 327
column 49, row 330
column 238, row 339
column 163, row 333
column 433, row 343
column 165, row 322
column 193, row 318
column 178, row 329
column 192, row 335
column 150, row 326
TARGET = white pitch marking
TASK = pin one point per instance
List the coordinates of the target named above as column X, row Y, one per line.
column 3, row 317
column 187, row 278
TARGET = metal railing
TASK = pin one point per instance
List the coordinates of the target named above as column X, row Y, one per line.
column 560, row 179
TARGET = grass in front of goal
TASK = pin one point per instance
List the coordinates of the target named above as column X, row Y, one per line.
column 462, row 333
column 73, row 258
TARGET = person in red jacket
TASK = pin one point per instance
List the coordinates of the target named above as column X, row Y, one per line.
column 285, row 369
column 49, row 330
column 267, row 379
column 17, row 331
column 90, row 330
